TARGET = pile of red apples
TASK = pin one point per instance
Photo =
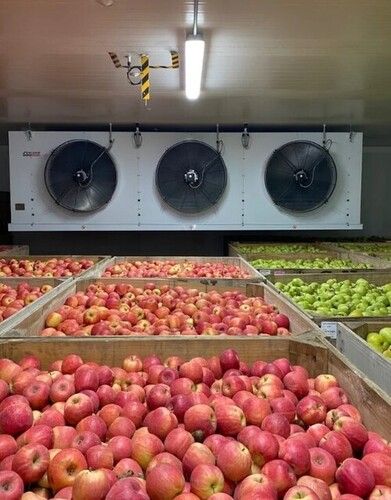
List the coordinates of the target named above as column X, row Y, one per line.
column 13, row 299
column 172, row 269
column 214, row 429
column 123, row 309
column 51, row 268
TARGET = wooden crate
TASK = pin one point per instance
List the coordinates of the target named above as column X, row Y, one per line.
column 235, row 250
column 94, row 271
column 352, row 344
column 24, row 313
column 6, row 250
column 231, row 282
column 32, row 326
column 377, row 278
column 317, row 356
column 373, row 262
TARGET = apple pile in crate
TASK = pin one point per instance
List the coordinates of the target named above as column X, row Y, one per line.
column 55, row 267
column 123, row 309
column 172, row 269
column 13, row 299
column 212, row 429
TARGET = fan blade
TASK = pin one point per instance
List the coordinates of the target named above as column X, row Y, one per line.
column 115, row 59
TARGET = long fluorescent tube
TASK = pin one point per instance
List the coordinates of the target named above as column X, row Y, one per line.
column 194, row 58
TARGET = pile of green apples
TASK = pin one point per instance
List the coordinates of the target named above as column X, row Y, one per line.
column 381, row 341
column 317, row 263
column 356, row 298
column 369, row 248
column 279, row 248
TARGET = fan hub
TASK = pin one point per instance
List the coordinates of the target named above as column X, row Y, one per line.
column 191, row 177
column 301, row 176
column 81, row 177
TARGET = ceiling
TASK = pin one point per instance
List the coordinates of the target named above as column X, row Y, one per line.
column 268, row 62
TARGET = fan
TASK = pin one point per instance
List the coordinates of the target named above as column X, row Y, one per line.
column 80, row 175
column 191, row 176
column 300, row 176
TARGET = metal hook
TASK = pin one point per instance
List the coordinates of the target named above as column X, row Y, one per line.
column 29, row 132
column 324, row 135
column 137, row 137
column 351, row 133
column 219, row 142
column 245, row 137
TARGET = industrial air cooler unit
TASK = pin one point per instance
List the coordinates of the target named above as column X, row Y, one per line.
column 91, row 181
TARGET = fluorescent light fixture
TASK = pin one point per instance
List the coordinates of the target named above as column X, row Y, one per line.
column 194, row 58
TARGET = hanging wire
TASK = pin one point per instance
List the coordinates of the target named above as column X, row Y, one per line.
column 195, row 18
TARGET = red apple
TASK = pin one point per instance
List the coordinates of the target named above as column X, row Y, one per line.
column 353, row 430
column 311, row 410
column 297, row 492
column 380, row 465
column 178, row 441
column 276, row 424
column 38, row 434
column 94, row 424
column 196, row 454
column 323, row 465
column 337, row 445
column 86, row 378
column 255, row 410
column 382, row 492
column 127, row 467
column 317, row 431
column 324, row 382
column 296, row 454
column 77, row 407
column 144, row 447
column 90, row 485
column 121, row 426
column 160, row 422
column 15, row 417
column 100, row 457
column 37, row 394
column 297, row 383
column 334, row 397
column 281, row 474
column 8, row 446
column 355, row 477
column 11, row 485
column 31, row 462
column 64, row 467
column 126, row 489
column 284, row 406
column 205, row 480
column 200, row 420
column 234, row 460
column 63, row 436
column 164, row 482
column 316, row 485
column 61, row 389
column 120, row 446
column 85, row 440
column 256, row 486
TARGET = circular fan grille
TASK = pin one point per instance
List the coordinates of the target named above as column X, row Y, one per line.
column 191, row 176
column 300, row 176
column 80, row 176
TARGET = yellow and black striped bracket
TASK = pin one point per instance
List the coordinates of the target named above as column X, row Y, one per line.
column 145, row 86
column 115, row 59
column 174, row 59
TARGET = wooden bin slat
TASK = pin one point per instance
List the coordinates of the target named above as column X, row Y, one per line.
column 351, row 342
column 317, row 357
column 254, row 275
column 377, row 278
column 31, row 326
column 6, row 250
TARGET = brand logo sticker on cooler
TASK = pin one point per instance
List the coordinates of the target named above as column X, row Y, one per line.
column 31, row 153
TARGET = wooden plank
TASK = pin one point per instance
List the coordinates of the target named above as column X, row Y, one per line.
column 351, row 342
column 318, row 357
column 32, row 326
column 6, row 250
column 373, row 403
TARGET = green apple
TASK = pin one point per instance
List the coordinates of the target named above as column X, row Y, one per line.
column 386, row 333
